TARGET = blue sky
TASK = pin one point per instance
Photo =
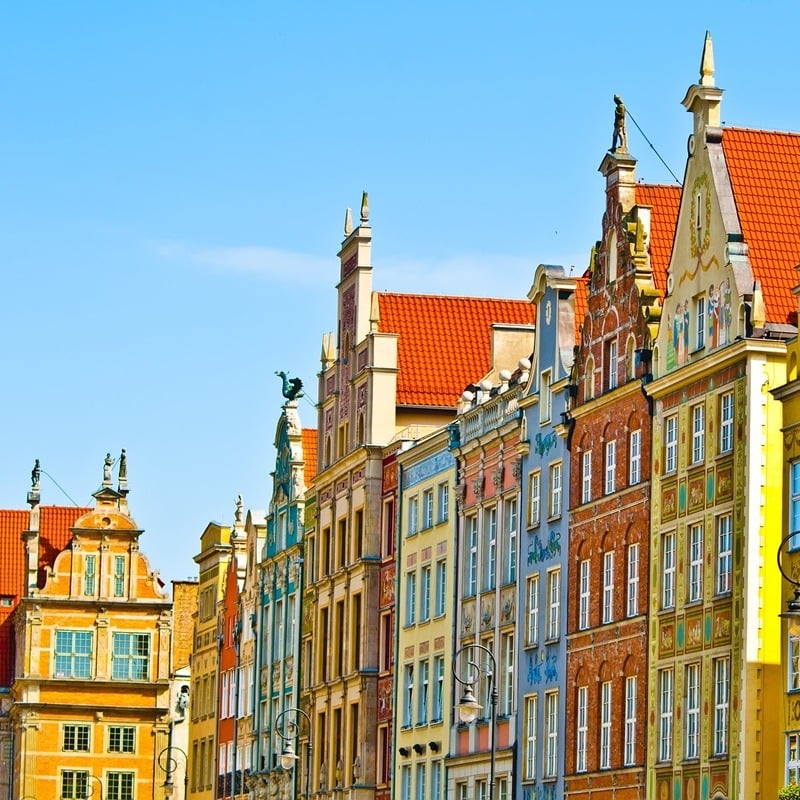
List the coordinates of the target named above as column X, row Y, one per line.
column 175, row 178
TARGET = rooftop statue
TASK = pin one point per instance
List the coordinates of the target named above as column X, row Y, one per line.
column 619, row 142
column 292, row 387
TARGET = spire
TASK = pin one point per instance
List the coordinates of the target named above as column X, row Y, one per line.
column 707, row 62
column 365, row 208
column 348, row 222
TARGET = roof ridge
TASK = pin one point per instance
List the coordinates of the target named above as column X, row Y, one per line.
column 743, row 129
column 454, row 297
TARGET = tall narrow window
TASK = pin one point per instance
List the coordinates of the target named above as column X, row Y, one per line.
column 425, row 598
column 444, row 502
column 553, row 603
column 441, row 587
column 408, row 696
column 793, row 682
column 632, row 589
column 507, row 681
column 586, row 476
column 665, row 680
column 438, row 689
column 668, row 573
column 582, row 728
column 411, row 598
column 613, row 363
column 420, row 787
column 588, row 380
column 427, row 509
column 583, row 595
column 692, row 711
column 422, row 694
column 695, row 562
column 89, row 572
column 545, row 401
column 551, row 721
column 510, row 524
column 605, row 725
column 671, row 444
column 722, row 689
column 532, row 611
column 534, row 498
column 700, row 321
column 119, row 576
column 794, row 505
column 793, row 758
column 405, row 782
column 611, row 467
column 471, row 582
column 531, row 726
column 698, row 433
column 413, row 516
column 490, row 550
column 436, row 780
column 608, row 587
column 726, row 422
column 629, row 743
column 555, row 490
column 635, row 458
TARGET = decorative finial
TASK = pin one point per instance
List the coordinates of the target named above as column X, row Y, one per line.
column 36, row 473
column 238, row 513
column 619, row 141
column 107, row 464
column 365, row 207
column 348, row 222
column 292, row 387
column 707, row 62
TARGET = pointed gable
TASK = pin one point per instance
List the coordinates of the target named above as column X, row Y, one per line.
column 444, row 342
column 664, row 201
column 764, row 168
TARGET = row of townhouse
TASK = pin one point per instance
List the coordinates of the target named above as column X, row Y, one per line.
column 583, row 546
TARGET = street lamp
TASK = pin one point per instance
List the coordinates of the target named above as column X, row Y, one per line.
column 468, row 707
column 793, row 605
column 169, row 764
column 288, row 755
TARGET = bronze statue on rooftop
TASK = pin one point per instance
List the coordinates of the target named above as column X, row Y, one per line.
column 292, row 387
column 619, row 142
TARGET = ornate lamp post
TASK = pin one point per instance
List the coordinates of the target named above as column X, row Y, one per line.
column 468, row 707
column 169, row 764
column 793, row 605
column 288, row 730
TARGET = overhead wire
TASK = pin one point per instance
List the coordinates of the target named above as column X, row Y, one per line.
column 652, row 146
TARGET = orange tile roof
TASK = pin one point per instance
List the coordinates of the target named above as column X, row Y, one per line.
column 309, row 454
column 54, row 535
column 764, row 167
column 444, row 342
column 664, row 201
column 581, row 303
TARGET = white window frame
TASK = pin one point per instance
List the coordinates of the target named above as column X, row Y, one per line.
column 610, row 482
column 532, row 611
column 692, row 716
column 722, row 691
column 613, row 365
column 605, row 725
column 534, row 498
column 427, row 509
column 632, row 586
column 408, row 691
column 696, row 559
column 793, row 663
column 441, row 587
column 411, row 597
column 511, row 525
column 726, row 422
column 635, row 458
column 629, row 742
column 698, row 415
column 668, row 570
column 582, row 728
column 608, row 587
column 412, row 511
column 793, row 757
column 507, row 685
column 556, row 490
column 444, row 502
column 531, row 729
column 584, row 593
column 490, row 539
column 422, row 694
column 471, row 564
column 724, row 578
column 545, row 397
column 551, row 721
column 671, row 444
column 586, row 476
column 553, row 604
column 700, row 322
column 665, row 706
column 794, row 504
column 438, row 690
column 425, row 594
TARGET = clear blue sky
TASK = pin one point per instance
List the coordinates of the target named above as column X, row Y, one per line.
column 175, row 177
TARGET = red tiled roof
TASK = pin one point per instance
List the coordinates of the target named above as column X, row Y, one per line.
column 54, row 535
column 444, row 342
column 581, row 303
column 764, row 168
column 664, row 201
column 309, row 454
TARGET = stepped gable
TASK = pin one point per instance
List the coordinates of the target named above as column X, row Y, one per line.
column 665, row 201
column 309, row 454
column 54, row 536
column 444, row 342
column 764, row 167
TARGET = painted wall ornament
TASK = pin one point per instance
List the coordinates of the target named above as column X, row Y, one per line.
column 538, row 552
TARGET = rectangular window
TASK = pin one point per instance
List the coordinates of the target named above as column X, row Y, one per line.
column 665, row 682
column 438, row 689
column 425, row 599
column 582, row 728
column 131, row 656
column 551, row 721
column 695, row 562
column 76, row 738
column 510, row 524
column 444, row 502
column 794, row 505
column 119, row 785
column 73, row 656
column 794, row 664
column 441, row 587
column 629, row 743
column 427, row 509
column 490, row 541
column 726, row 422
column 692, row 711
column 411, row 598
column 668, row 574
column 74, row 784
column 700, row 321
column 531, row 726
column 586, row 476
column 553, row 603
column 612, row 364
column 532, row 611
column 436, row 780
column 698, row 433
column 605, row 725
column 471, row 582
column 507, row 680
column 722, row 689
column 555, row 490
column 121, row 738
column 793, row 758
column 583, row 594
column 408, row 696
column 671, row 444
column 420, row 787
column 405, row 782
column 534, row 498
column 608, row 587
column 635, row 458
column 89, row 574
column 632, row 589
column 119, row 576
column 412, row 523
column 545, row 397
column 611, row 467
column 422, row 694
